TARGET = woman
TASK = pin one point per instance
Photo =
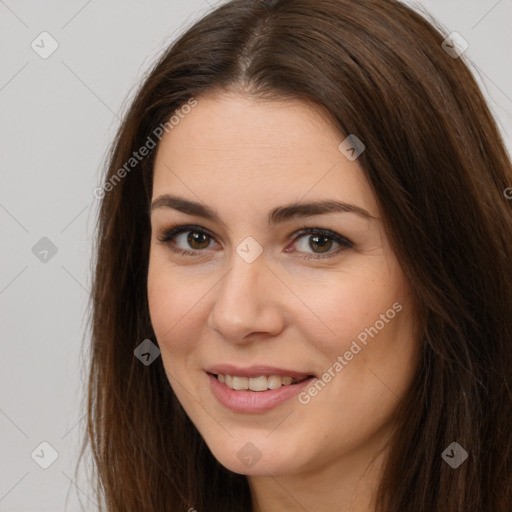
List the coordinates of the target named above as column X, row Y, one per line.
column 302, row 290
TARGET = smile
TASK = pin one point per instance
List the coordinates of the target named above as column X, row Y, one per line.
column 257, row 390
column 261, row 383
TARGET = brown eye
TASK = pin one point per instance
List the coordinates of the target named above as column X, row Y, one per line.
column 321, row 241
column 315, row 242
column 187, row 240
column 198, row 239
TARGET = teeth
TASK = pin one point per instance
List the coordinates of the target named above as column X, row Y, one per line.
column 240, row 382
column 275, row 382
column 258, row 383
column 262, row 383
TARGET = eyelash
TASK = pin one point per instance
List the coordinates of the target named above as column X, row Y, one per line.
column 169, row 235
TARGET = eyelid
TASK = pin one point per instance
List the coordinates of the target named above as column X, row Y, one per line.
column 304, row 230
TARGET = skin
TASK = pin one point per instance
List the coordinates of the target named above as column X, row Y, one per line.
column 243, row 157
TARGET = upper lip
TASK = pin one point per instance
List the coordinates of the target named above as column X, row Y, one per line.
column 255, row 371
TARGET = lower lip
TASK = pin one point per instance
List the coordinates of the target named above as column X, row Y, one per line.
column 254, row 401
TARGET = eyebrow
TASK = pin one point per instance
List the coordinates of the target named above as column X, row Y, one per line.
column 275, row 216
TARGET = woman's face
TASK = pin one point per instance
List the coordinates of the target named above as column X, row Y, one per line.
column 282, row 271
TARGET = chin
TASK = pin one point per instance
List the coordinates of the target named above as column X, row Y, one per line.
column 259, row 458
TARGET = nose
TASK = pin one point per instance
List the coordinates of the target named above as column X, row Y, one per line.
column 248, row 302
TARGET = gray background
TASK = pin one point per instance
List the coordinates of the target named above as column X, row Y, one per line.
column 58, row 116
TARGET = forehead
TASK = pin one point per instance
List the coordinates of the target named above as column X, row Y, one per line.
column 248, row 150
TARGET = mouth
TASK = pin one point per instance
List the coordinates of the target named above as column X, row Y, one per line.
column 258, row 384
column 257, row 389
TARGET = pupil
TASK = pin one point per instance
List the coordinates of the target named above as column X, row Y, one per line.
column 325, row 245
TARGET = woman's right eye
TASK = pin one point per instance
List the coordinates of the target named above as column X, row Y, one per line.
column 193, row 236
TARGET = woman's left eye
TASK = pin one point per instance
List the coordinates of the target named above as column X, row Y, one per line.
column 321, row 241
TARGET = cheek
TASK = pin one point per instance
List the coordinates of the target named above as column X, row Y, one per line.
column 179, row 303
column 171, row 313
column 339, row 307
column 171, row 301
column 162, row 306
column 370, row 325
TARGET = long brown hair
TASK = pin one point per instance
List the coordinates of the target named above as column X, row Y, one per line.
column 438, row 167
